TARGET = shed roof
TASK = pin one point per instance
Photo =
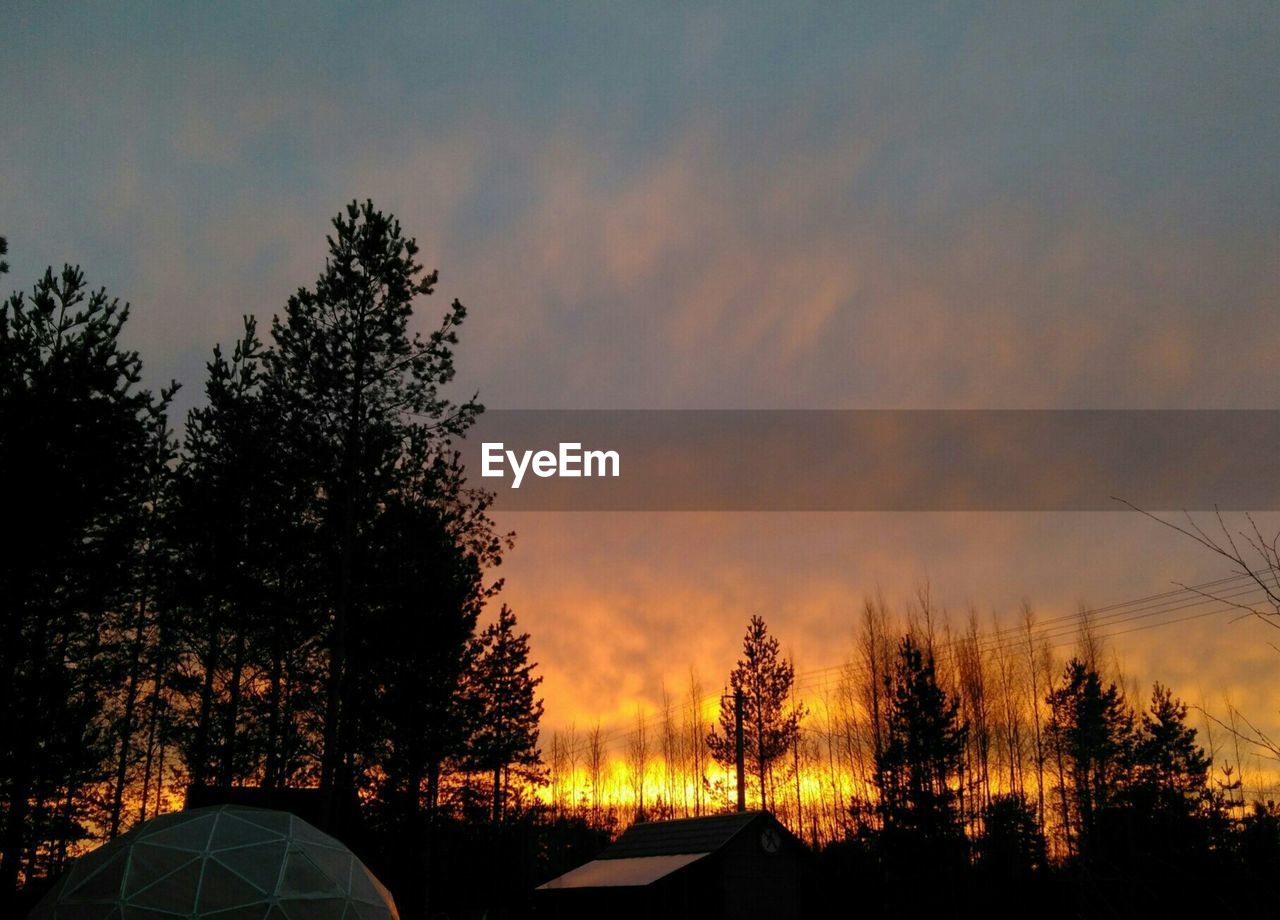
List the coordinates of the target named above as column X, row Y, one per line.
column 685, row 835
column 619, row 873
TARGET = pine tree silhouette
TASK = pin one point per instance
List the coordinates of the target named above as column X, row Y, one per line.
column 356, row 385
column 771, row 722
column 506, row 709
column 77, row 432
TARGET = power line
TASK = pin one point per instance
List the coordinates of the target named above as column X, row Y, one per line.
column 1118, row 614
column 1121, row 632
column 1138, row 608
column 1053, row 634
column 1229, row 588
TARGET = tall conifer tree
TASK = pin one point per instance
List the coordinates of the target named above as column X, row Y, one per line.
column 355, row 385
column 770, row 722
column 503, row 689
column 74, row 424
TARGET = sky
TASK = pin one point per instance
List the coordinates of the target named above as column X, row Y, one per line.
column 928, row 205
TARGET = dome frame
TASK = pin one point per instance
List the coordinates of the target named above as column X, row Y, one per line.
column 224, row 862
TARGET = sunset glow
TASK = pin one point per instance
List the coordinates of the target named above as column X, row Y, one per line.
column 483, row 432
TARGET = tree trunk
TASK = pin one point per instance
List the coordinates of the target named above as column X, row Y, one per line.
column 153, row 727
column 271, row 773
column 203, row 727
column 227, row 772
column 497, row 795
column 335, row 711
column 15, row 828
column 799, row 802
column 126, row 722
column 160, row 776
column 433, row 790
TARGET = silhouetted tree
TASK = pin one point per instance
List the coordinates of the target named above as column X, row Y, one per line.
column 355, row 385
column 292, row 597
column 695, row 741
column 918, row 769
column 133, row 632
column 229, row 503
column 74, row 423
column 1258, row 849
column 1163, row 821
column 503, row 690
column 1170, row 767
column 770, row 725
column 596, row 754
column 429, row 550
column 1092, row 729
column 638, row 762
column 1012, row 845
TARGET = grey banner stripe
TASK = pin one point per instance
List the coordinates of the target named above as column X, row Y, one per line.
column 890, row 460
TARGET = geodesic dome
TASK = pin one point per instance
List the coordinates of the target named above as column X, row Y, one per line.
column 228, row 862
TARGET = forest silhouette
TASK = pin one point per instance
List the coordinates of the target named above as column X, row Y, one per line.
column 297, row 591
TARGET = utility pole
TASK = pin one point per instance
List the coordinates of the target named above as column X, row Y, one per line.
column 737, row 738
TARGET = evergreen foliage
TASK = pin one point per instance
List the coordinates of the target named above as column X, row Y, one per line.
column 770, row 718
column 289, row 597
column 502, row 692
column 81, row 447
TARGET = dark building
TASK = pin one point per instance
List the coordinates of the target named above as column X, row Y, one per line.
column 744, row 864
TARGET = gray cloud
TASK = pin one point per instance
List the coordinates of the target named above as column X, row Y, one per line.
column 869, row 206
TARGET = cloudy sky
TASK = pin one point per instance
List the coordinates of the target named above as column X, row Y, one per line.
column 897, row 206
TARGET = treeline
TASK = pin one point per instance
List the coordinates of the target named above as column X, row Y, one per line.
column 290, row 594
column 957, row 773
column 996, row 775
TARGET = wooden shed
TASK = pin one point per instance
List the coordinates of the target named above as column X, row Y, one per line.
column 744, row 864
